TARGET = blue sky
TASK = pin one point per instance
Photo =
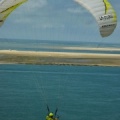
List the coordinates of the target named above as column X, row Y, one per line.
column 56, row 20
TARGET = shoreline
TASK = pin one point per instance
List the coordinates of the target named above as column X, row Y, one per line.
column 58, row 58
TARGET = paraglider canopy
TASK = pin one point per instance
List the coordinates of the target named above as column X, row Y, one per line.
column 7, row 6
column 104, row 14
column 102, row 10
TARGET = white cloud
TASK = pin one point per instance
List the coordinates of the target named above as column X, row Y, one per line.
column 22, row 20
column 76, row 10
column 47, row 26
column 26, row 12
column 33, row 5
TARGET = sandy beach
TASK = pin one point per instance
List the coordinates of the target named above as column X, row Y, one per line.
column 90, row 48
column 58, row 58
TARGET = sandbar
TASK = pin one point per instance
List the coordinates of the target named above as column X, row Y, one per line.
column 58, row 58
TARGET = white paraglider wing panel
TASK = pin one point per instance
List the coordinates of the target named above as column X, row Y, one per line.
column 104, row 14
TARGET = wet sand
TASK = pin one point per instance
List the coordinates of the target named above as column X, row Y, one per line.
column 58, row 58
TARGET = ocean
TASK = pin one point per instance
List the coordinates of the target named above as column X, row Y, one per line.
column 56, row 46
column 78, row 92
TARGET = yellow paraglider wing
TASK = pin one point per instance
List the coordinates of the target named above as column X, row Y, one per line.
column 7, row 6
column 104, row 14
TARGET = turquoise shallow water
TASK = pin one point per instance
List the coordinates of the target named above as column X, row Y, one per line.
column 80, row 92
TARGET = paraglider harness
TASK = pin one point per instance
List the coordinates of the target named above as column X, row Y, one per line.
column 56, row 116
